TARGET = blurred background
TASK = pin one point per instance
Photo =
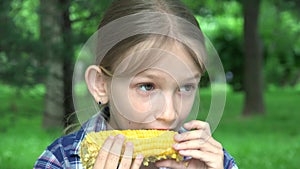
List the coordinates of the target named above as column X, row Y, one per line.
column 258, row 42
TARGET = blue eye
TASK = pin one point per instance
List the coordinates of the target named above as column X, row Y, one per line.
column 187, row 88
column 146, row 87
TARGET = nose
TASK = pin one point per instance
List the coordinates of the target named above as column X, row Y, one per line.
column 169, row 113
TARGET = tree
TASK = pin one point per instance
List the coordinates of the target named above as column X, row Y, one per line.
column 253, row 74
column 51, row 37
column 59, row 40
column 68, row 62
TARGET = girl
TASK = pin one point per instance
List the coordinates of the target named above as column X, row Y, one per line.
column 150, row 55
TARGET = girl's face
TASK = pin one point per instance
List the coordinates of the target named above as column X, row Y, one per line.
column 159, row 96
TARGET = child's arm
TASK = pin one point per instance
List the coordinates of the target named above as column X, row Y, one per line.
column 47, row 160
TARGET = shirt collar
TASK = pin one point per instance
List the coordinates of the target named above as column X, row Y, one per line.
column 95, row 124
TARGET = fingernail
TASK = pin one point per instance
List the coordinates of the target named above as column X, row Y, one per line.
column 139, row 156
column 111, row 137
column 120, row 136
column 178, row 137
column 187, row 158
column 182, row 130
column 182, row 152
column 176, row 146
column 129, row 144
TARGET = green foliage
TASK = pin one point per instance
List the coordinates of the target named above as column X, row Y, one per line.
column 25, row 16
column 210, row 7
column 280, row 30
column 23, row 61
column 20, row 53
column 86, row 16
column 225, row 31
column 22, row 58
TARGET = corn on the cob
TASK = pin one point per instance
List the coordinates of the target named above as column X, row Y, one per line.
column 152, row 144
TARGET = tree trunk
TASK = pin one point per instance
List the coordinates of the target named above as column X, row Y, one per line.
column 68, row 63
column 253, row 74
column 51, row 36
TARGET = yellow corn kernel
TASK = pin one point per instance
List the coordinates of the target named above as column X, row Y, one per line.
column 152, row 144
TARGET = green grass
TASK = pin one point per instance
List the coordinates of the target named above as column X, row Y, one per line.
column 269, row 141
column 22, row 137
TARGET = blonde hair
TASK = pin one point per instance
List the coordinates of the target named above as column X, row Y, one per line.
column 122, row 8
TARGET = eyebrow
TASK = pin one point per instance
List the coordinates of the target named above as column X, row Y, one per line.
column 152, row 75
column 196, row 76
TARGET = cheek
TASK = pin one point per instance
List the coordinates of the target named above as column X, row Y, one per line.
column 121, row 122
column 134, row 108
column 140, row 104
column 186, row 106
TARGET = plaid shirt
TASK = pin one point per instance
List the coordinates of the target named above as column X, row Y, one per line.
column 64, row 152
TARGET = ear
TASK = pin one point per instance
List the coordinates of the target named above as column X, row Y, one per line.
column 96, row 84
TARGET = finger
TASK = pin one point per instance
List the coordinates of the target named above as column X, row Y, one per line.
column 127, row 156
column 137, row 162
column 199, row 134
column 115, row 151
column 199, row 145
column 171, row 164
column 103, row 153
column 193, row 163
column 215, row 143
column 197, row 124
column 212, row 160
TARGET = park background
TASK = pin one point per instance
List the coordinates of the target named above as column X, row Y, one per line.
column 258, row 42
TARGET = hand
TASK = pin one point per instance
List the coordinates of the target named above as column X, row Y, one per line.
column 110, row 153
column 198, row 143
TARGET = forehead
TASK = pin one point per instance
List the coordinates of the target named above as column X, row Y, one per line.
column 164, row 44
column 171, row 58
column 164, row 76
